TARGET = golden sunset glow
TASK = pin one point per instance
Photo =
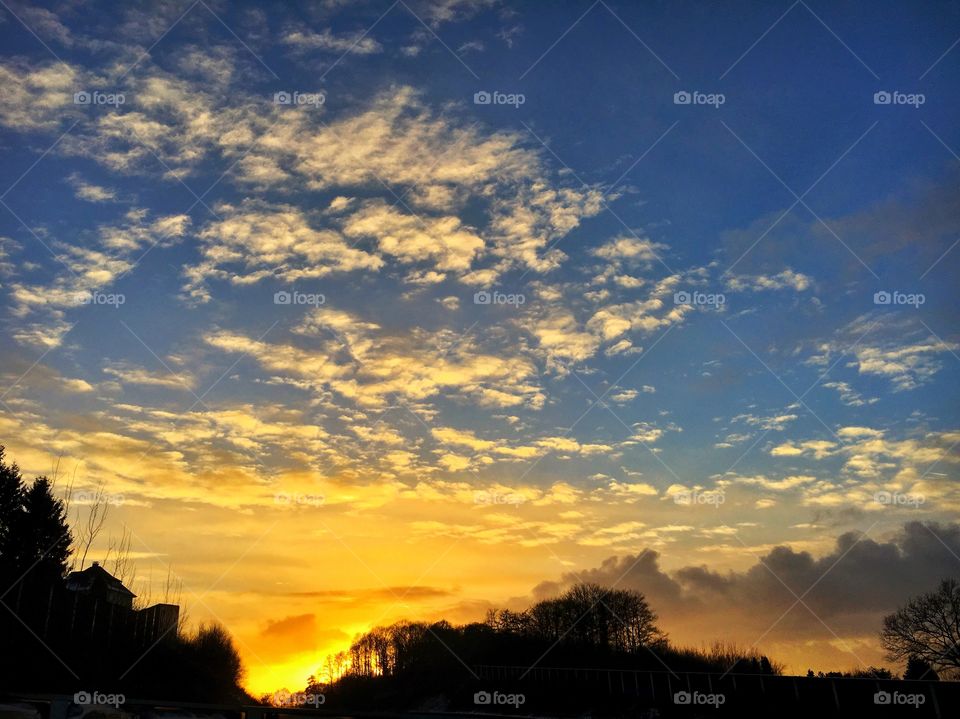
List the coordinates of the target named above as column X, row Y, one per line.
column 355, row 320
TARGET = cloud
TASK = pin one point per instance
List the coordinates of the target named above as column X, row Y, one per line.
column 37, row 98
column 442, row 241
column 760, row 600
column 357, row 43
column 757, row 283
column 293, row 635
column 628, row 247
column 364, row 364
column 568, row 335
column 90, row 192
column 84, row 269
column 256, row 241
column 128, row 374
column 907, row 366
column 848, row 395
column 898, row 348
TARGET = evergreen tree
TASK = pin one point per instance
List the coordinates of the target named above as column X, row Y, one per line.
column 44, row 535
column 11, row 511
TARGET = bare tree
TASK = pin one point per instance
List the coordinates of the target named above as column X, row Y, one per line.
column 96, row 516
column 124, row 568
column 927, row 628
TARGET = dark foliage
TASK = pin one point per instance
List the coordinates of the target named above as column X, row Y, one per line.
column 55, row 640
column 927, row 629
column 403, row 665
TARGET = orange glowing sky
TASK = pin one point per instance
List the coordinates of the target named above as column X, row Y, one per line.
column 407, row 348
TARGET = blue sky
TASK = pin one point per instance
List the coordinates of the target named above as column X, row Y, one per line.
column 592, row 409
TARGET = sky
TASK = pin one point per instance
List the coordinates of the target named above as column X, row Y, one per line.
column 368, row 311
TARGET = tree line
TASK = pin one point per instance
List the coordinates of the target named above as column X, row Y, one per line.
column 37, row 550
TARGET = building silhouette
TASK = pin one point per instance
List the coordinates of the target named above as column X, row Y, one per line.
column 106, row 599
column 97, row 583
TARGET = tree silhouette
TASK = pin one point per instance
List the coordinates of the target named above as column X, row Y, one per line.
column 11, row 507
column 919, row 669
column 34, row 534
column 35, row 550
column 927, row 629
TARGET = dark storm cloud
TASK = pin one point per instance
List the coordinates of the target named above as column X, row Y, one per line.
column 848, row 590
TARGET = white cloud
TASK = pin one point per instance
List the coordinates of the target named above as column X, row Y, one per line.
column 357, row 43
